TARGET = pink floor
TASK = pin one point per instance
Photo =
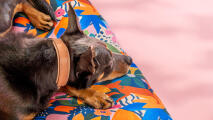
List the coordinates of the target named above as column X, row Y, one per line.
column 172, row 42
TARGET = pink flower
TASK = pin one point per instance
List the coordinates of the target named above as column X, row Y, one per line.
column 59, row 12
column 108, row 32
column 114, row 39
column 116, row 106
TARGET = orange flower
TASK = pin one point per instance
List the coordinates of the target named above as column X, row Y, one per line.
column 103, row 112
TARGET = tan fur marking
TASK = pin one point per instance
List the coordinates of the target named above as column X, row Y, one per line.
column 100, row 77
column 94, row 98
column 18, row 8
column 29, row 117
column 113, row 75
column 37, row 18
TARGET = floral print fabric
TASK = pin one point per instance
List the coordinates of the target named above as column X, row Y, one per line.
column 134, row 99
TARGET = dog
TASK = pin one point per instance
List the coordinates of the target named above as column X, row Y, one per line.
column 28, row 71
column 39, row 12
column 42, row 16
column 93, row 62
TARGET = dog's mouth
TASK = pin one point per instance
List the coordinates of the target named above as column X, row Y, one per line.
column 120, row 67
column 116, row 67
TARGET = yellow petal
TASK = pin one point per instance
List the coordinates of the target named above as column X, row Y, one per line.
column 78, row 117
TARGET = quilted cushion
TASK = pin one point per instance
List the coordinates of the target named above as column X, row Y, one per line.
column 134, row 99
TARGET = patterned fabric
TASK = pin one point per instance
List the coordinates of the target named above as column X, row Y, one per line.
column 134, row 99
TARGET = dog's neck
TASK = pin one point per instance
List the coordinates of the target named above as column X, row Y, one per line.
column 54, row 59
column 63, row 58
column 29, row 66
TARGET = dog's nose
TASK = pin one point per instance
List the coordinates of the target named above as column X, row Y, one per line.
column 128, row 60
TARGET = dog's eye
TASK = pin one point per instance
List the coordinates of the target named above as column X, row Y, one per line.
column 96, row 63
column 107, row 71
column 108, row 68
column 110, row 64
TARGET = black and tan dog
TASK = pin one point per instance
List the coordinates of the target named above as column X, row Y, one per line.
column 42, row 16
column 93, row 62
column 28, row 70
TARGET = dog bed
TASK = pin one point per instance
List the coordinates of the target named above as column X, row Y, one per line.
column 134, row 99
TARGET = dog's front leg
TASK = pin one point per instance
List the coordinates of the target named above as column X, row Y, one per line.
column 93, row 98
column 37, row 18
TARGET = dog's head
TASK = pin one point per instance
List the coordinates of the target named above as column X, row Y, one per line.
column 92, row 60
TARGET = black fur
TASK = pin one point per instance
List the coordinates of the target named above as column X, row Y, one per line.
column 44, row 7
column 28, row 69
column 7, row 7
column 27, row 75
column 91, row 56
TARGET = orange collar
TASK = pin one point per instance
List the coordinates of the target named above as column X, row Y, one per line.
column 63, row 62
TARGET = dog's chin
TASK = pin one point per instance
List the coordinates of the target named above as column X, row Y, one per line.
column 79, row 86
column 82, row 84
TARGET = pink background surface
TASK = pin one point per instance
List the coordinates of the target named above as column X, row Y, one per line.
column 172, row 42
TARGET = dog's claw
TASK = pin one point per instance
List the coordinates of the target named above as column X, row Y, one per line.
column 42, row 21
column 100, row 101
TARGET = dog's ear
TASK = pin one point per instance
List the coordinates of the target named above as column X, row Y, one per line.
column 85, row 68
column 73, row 25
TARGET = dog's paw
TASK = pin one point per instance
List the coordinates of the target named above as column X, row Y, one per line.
column 41, row 21
column 99, row 101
